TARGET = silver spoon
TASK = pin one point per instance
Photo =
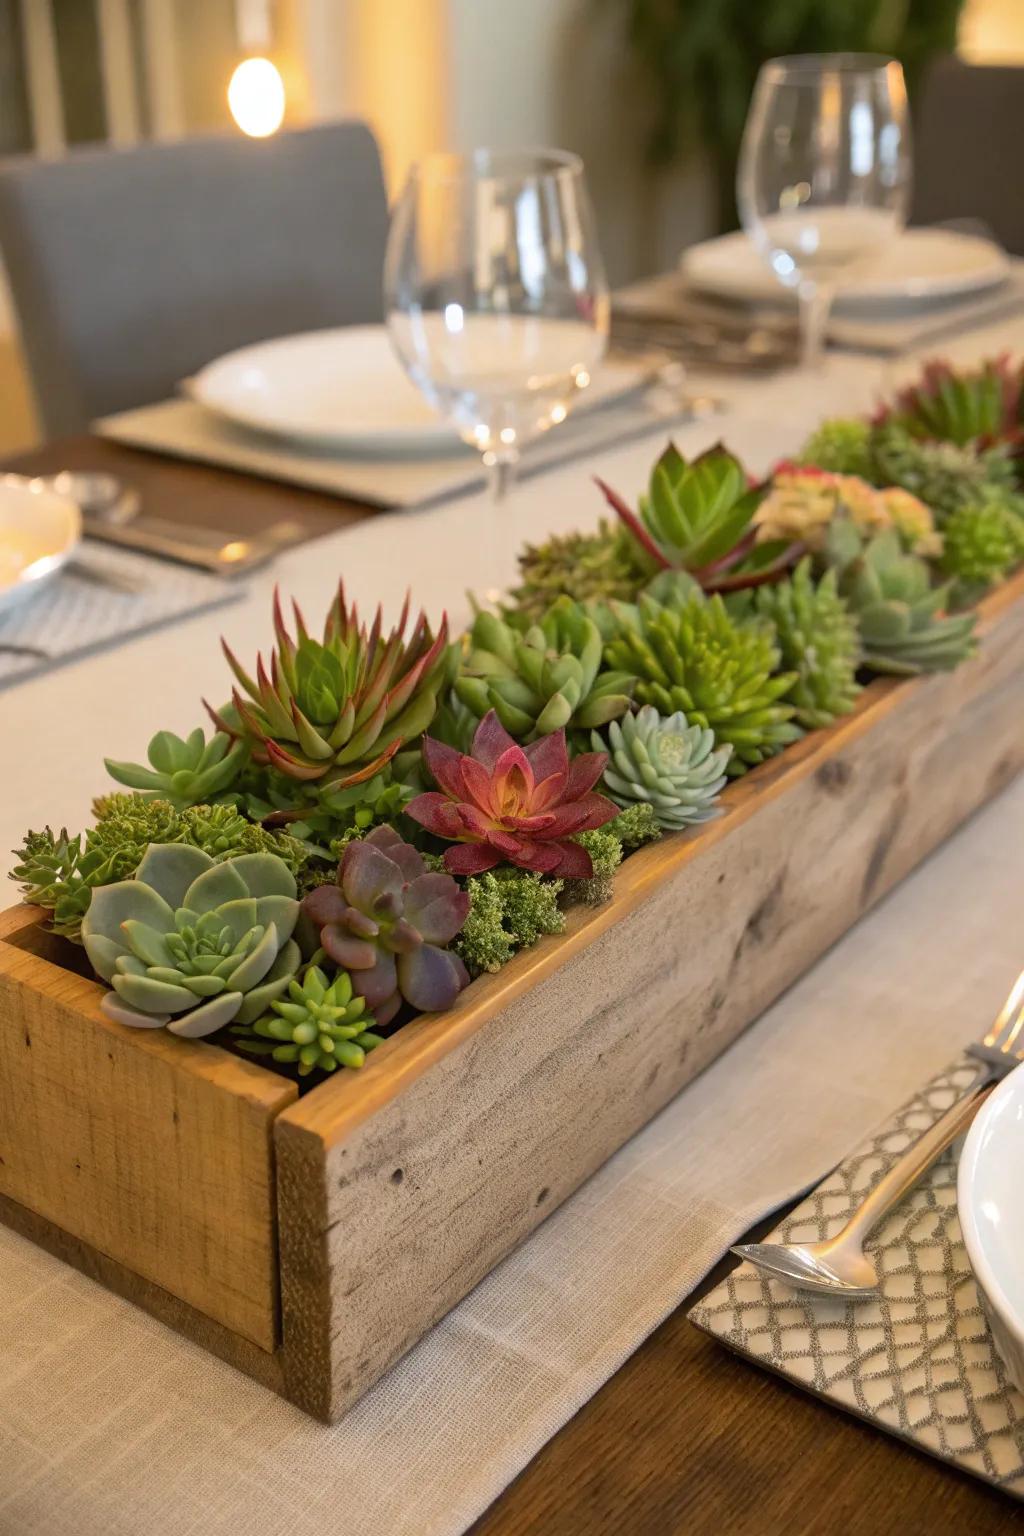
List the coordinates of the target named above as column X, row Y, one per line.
column 838, row 1266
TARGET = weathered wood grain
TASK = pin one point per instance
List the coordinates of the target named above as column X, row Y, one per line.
column 401, row 1188
column 157, row 1157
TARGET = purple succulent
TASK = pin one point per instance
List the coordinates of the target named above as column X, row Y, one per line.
column 387, row 920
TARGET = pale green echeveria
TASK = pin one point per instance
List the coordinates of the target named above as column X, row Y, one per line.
column 194, row 944
column 676, row 768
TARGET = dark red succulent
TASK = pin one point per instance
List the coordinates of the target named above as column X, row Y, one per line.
column 387, row 920
column 506, row 804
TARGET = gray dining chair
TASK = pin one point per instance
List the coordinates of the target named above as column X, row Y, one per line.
column 968, row 131
column 131, row 268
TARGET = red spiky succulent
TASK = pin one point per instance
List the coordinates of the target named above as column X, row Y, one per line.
column 506, row 804
column 339, row 709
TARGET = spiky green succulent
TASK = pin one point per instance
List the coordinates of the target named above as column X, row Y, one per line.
column 676, row 768
column 319, row 1025
column 334, row 711
column 184, row 772
column 842, row 446
column 723, row 675
column 982, row 543
column 944, row 475
column 583, row 566
column 545, row 680
column 819, row 640
column 961, row 406
column 191, row 944
column 56, row 873
column 904, row 624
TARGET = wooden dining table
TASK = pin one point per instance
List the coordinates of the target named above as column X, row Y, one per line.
column 685, row 1437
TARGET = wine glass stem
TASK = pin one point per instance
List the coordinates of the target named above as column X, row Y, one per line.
column 815, row 306
column 502, row 469
column 501, row 475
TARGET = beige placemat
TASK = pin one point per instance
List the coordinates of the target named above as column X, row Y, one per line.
column 919, row 1361
column 186, row 430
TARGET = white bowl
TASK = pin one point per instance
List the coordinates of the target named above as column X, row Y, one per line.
column 38, row 531
column 990, row 1200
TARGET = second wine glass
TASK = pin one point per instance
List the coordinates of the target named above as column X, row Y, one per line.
column 824, row 173
column 495, row 294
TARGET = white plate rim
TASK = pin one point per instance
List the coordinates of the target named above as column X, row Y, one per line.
column 921, row 289
column 43, row 569
column 430, row 436
column 1010, row 1089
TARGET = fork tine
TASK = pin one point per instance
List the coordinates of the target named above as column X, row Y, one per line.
column 1009, row 1021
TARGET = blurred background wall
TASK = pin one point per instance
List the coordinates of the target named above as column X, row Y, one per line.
column 609, row 78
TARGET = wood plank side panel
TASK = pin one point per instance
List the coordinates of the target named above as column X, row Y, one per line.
column 159, row 1158
column 417, row 1202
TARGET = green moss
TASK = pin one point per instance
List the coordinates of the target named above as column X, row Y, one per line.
column 509, row 910
column 605, row 851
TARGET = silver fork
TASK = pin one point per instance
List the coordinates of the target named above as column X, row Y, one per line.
column 839, row 1266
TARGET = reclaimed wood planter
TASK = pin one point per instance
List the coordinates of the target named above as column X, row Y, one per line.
column 312, row 1241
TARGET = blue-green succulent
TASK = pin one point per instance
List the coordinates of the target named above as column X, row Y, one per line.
column 193, row 944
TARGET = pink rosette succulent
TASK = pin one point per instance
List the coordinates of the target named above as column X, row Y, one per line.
column 387, row 920
column 506, row 804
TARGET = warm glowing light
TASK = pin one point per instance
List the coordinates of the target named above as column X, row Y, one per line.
column 256, row 97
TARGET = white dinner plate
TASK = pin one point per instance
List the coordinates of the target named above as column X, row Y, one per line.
column 990, row 1202
column 38, row 531
column 343, row 389
column 921, row 266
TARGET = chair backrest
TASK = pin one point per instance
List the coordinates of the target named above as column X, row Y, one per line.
column 968, row 133
column 131, row 268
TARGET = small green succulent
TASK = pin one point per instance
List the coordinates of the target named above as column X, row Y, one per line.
column 192, row 944
column 319, row 1026
column 723, row 675
column 982, row 543
column 904, row 625
column 583, row 566
column 677, row 768
column 945, row 476
column 542, row 681
column 189, row 772
column 820, row 642
column 842, row 446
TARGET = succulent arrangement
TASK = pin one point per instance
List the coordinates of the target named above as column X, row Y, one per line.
column 380, row 815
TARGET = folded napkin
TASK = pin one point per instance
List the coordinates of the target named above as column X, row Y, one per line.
column 919, row 1361
column 102, row 596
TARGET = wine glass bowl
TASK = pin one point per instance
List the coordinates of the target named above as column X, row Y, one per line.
column 824, row 172
column 495, row 294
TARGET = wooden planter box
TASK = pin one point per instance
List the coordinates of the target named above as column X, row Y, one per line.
column 311, row 1242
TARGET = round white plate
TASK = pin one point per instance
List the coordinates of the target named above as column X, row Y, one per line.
column 38, row 531
column 342, row 389
column 990, row 1202
column 921, row 266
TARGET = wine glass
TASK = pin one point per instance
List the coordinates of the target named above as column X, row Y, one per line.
column 495, row 294
column 824, row 173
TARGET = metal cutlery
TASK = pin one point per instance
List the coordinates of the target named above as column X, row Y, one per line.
column 838, row 1266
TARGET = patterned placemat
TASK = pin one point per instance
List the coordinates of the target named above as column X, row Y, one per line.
column 100, row 598
column 919, row 1362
